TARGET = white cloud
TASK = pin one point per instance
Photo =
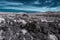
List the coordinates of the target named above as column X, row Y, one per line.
column 11, row 3
column 32, row 8
column 36, row 2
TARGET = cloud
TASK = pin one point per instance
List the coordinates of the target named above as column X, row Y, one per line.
column 31, row 8
column 21, row 6
column 10, row 3
column 14, row 3
column 36, row 2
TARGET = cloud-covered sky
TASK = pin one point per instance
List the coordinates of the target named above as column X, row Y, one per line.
column 31, row 5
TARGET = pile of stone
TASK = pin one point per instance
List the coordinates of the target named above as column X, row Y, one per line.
column 27, row 27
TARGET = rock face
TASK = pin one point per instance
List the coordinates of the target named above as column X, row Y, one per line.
column 29, row 27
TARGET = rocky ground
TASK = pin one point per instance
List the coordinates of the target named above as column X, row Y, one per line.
column 21, row 26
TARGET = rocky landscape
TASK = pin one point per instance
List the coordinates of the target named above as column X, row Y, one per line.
column 23, row 26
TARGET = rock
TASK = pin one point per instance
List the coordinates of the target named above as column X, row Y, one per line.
column 52, row 37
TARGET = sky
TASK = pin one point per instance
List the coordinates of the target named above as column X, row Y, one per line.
column 30, row 5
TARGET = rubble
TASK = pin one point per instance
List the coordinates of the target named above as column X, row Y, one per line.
column 29, row 27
